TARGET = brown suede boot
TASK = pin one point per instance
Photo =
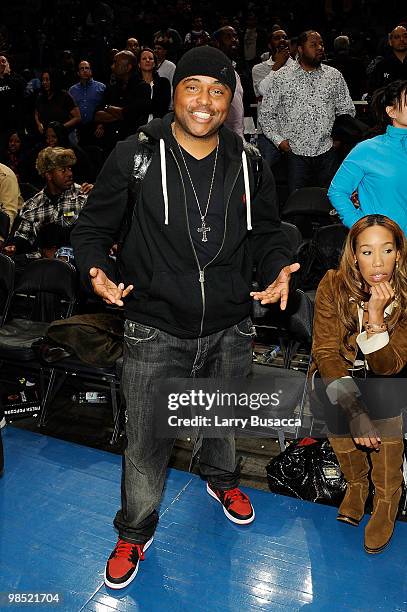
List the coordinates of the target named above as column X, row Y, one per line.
column 355, row 467
column 387, row 478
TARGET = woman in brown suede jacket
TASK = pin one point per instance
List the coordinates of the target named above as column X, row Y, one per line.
column 359, row 342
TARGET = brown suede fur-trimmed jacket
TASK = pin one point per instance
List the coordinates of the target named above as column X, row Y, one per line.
column 385, row 353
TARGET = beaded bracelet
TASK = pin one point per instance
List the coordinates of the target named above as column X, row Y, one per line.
column 375, row 328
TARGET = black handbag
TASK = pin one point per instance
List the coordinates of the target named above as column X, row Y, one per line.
column 308, row 470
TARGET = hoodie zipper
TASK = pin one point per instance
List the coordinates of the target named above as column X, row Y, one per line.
column 201, row 272
column 201, row 277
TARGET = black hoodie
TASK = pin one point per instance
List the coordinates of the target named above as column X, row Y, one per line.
column 171, row 290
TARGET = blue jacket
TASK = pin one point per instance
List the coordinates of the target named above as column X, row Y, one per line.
column 377, row 170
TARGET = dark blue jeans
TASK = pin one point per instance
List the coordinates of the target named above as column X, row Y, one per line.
column 151, row 354
column 305, row 171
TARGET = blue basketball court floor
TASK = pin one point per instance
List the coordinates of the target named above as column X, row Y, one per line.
column 57, row 501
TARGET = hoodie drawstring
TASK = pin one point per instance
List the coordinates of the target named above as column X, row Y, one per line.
column 164, row 179
column 165, row 190
column 247, row 191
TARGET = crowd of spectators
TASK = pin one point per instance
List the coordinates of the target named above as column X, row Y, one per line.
column 84, row 75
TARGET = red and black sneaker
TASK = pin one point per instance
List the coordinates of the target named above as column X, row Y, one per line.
column 122, row 565
column 236, row 505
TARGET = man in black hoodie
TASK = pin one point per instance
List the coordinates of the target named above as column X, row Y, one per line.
column 204, row 212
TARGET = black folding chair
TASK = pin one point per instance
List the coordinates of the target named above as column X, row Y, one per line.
column 292, row 384
column 296, row 241
column 324, row 253
column 309, row 208
column 293, row 234
column 72, row 366
column 291, row 326
column 46, row 290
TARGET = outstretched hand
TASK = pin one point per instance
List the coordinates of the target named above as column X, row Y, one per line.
column 278, row 290
column 107, row 289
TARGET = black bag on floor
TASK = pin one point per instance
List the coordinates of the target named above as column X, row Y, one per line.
column 307, row 469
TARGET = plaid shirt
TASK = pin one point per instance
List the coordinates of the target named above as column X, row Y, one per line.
column 41, row 210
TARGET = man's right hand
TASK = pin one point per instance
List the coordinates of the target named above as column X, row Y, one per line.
column 107, row 289
column 284, row 146
column 280, row 58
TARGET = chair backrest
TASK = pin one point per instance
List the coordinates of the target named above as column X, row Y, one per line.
column 296, row 319
column 7, row 273
column 293, row 234
column 295, row 240
column 308, row 201
column 329, row 241
column 300, row 313
column 308, row 208
column 324, row 253
column 53, row 285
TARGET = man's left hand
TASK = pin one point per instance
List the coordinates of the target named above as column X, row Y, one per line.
column 278, row 290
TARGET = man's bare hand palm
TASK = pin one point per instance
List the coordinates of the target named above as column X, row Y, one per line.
column 278, row 290
column 107, row 289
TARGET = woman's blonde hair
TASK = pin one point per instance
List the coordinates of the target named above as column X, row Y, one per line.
column 351, row 283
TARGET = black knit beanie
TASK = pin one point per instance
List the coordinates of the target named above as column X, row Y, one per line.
column 205, row 61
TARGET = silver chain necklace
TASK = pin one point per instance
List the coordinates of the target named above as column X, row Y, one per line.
column 204, row 229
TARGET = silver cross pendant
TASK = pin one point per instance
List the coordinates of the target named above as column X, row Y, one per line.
column 204, row 229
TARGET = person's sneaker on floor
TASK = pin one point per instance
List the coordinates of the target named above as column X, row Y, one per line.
column 122, row 565
column 236, row 504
